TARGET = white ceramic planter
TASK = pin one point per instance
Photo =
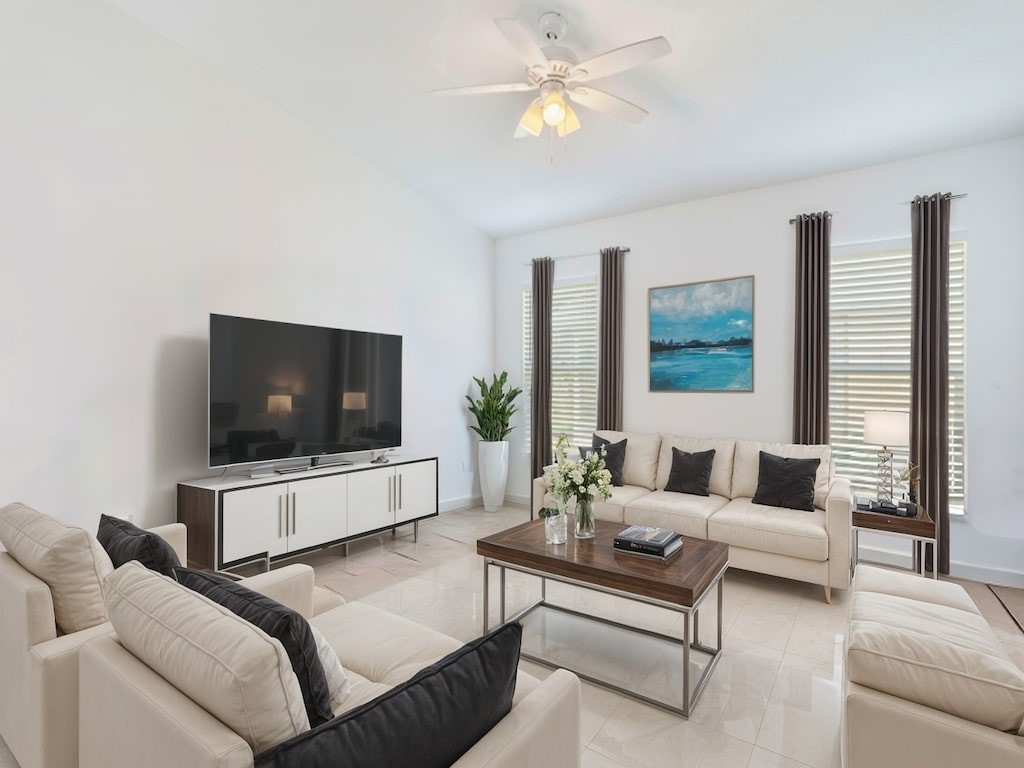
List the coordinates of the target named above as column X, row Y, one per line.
column 493, row 461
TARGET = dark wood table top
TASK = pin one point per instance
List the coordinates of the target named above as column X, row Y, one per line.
column 680, row 580
column 921, row 525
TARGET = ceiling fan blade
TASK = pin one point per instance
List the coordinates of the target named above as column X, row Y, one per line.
column 523, row 42
column 469, row 90
column 620, row 59
column 599, row 101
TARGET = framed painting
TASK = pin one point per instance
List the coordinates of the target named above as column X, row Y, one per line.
column 702, row 336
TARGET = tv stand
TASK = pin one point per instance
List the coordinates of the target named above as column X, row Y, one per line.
column 237, row 519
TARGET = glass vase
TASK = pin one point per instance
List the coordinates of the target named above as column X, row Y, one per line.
column 584, row 519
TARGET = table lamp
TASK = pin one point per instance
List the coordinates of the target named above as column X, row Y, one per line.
column 889, row 429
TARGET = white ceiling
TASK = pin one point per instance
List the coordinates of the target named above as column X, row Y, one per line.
column 755, row 92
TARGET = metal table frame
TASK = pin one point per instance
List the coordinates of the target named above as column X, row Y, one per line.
column 692, row 614
column 917, row 545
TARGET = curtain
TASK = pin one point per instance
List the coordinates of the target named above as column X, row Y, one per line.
column 609, row 369
column 540, row 402
column 929, row 364
column 810, row 373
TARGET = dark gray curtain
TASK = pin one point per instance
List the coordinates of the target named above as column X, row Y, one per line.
column 810, row 373
column 929, row 363
column 609, row 369
column 540, row 401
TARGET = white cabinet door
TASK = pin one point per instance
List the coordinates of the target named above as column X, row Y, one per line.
column 318, row 511
column 417, row 490
column 371, row 494
column 254, row 522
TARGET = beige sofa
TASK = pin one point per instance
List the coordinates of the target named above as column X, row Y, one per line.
column 136, row 717
column 927, row 681
column 795, row 544
column 39, row 700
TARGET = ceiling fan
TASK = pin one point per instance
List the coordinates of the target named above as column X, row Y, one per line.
column 560, row 77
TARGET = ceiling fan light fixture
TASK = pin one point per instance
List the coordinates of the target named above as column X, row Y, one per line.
column 554, row 107
column 532, row 120
column 570, row 124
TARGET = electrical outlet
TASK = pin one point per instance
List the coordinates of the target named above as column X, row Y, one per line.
column 466, row 467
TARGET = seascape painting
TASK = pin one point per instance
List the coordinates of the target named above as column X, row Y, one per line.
column 702, row 337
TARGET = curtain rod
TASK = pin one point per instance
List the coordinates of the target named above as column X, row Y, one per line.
column 575, row 256
column 905, row 202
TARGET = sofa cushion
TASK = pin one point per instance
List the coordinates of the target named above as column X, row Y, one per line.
column 641, row 465
column 935, row 655
column 682, row 512
column 721, row 469
column 279, row 622
column 232, row 669
column 691, row 472
column 68, row 559
column 870, row 578
column 338, row 684
column 747, row 463
column 612, row 508
column 786, row 482
column 614, row 457
column 125, row 541
column 442, row 712
column 782, row 531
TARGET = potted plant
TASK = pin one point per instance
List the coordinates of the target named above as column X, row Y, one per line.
column 493, row 411
column 583, row 479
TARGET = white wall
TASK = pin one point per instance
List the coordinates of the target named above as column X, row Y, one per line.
column 138, row 193
column 749, row 234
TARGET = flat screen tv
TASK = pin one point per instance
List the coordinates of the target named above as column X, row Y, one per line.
column 284, row 391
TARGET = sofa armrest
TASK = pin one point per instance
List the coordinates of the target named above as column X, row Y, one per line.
column 292, row 585
column 541, row 731
column 838, row 522
column 175, row 534
column 134, row 717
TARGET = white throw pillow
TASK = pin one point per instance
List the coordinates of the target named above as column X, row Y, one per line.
column 226, row 665
column 68, row 559
column 337, row 678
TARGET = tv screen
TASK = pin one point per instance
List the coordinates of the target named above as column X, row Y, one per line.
column 282, row 391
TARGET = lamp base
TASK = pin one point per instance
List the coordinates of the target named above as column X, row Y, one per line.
column 883, row 489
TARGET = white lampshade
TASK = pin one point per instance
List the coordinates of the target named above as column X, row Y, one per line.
column 353, row 401
column 887, row 428
column 554, row 107
column 279, row 405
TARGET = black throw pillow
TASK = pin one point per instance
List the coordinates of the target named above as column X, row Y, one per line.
column 125, row 541
column 278, row 621
column 429, row 721
column 614, row 457
column 691, row 472
column 783, row 482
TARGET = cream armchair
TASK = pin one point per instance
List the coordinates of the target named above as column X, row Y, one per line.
column 39, row 668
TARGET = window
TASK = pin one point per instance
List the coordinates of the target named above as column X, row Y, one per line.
column 869, row 358
column 574, row 353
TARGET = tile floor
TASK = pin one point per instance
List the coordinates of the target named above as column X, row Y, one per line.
column 773, row 701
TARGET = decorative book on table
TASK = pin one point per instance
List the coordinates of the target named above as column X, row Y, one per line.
column 647, row 540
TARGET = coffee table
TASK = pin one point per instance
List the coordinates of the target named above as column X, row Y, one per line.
column 681, row 584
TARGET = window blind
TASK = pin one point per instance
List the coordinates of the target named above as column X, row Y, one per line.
column 574, row 360
column 869, row 359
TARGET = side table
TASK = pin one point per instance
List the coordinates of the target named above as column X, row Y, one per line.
column 919, row 529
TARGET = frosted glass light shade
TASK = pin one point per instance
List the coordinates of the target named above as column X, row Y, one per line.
column 279, row 405
column 554, row 108
column 532, row 120
column 887, row 428
column 571, row 124
column 353, row 401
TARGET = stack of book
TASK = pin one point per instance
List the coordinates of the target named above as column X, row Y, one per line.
column 646, row 541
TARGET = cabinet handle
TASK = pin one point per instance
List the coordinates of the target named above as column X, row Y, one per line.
column 279, row 517
column 399, row 491
column 294, row 505
column 391, row 493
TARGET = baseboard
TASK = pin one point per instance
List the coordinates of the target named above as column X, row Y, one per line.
column 468, row 502
column 957, row 570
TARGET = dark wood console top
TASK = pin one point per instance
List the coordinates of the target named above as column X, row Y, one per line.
column 922, row 525
column 680, row 580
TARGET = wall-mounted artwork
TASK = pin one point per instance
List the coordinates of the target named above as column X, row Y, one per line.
column 702, row 336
